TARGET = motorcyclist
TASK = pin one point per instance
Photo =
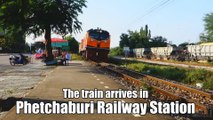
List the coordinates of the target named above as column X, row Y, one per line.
column 23, row 58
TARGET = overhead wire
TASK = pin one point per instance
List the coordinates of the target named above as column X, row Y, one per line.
column 151, row 10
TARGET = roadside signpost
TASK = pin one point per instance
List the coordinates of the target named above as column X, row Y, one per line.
column 126, row 51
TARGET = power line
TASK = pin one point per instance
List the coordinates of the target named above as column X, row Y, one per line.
column 151, row 10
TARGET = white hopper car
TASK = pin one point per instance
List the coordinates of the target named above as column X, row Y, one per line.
column 201, row 52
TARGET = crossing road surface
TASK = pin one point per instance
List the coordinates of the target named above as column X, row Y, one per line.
column 4, row 62
column 78, row 75
column 4, row 59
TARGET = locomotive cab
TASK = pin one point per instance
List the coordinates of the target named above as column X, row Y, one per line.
column 96, row 45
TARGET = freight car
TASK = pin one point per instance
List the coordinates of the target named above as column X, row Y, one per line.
column 163, row 52
column 142, row 53
column 155, row 52
column 202, row 52
column 95, row 45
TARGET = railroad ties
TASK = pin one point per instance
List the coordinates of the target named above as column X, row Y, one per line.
column 164, row 90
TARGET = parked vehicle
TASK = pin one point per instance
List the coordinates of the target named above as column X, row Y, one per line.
column 20, row 59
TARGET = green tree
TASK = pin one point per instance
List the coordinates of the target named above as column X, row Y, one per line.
column 13, row 40
column 208, row 35
column 183, row 46
column 39, row 16
column 14, row 36
column 73, row 44
column 209, row 25
column 158, row 41
column 116, row 51
column 145, row 35
column 204, row 38
column 124, row 40
column 136, row 39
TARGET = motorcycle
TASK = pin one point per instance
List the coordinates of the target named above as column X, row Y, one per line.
column 18, row 60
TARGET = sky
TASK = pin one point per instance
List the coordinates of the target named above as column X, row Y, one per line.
column 177, row 20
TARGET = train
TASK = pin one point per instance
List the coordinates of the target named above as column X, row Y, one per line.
column 201, row 52
column 95, row 45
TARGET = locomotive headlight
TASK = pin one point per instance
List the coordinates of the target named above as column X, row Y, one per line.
column 105, row 41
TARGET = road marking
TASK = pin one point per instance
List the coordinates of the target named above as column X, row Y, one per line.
column 136, row 115
column 106, row 87
column 101, row 82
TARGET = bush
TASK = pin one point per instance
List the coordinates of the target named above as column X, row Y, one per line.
column 208, row 84
column 183, row 75
column 117, row 51
column 197, row 75
column 73, row 44
column 167, row 72
column 173, row 73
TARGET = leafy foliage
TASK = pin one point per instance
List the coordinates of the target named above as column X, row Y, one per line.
column 59, row 15
column 183, row 75
column 42, row 16
column 141, row 39
column 209, row 24
column 208, row 35
column 117, row 51
column 158, row 41
column 13, row 41
column 208, row 84
column 11, row 20
column 183, row 46
column 124, row 40
column 73, row 44
column 136, row 38
column 172, row 73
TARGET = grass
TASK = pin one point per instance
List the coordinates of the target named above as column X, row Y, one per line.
column 189, row 62
column 183, row 75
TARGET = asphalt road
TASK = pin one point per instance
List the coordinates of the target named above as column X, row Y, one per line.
column 4, row 59
column 4, row 62
column 16, row 81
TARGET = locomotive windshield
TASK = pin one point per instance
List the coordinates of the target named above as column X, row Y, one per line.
column 99, row 34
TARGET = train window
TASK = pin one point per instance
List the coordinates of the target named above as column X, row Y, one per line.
column 99, row 35
column 104, row 36
column 94, row 35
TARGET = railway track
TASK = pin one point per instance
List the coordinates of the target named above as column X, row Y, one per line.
column 173, row 63
column 164, row 90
